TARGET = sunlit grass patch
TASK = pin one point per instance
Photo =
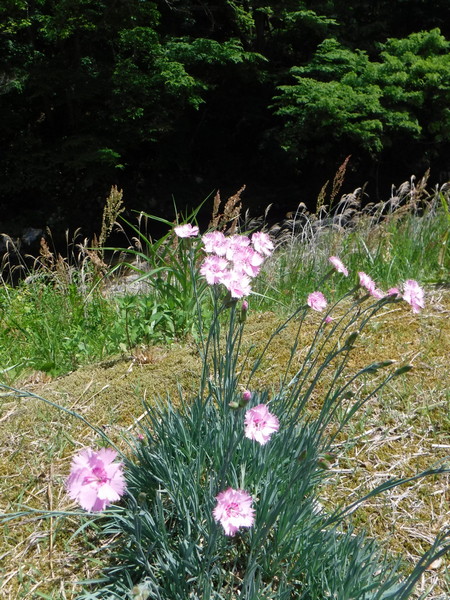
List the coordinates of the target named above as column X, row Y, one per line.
column 410, row 242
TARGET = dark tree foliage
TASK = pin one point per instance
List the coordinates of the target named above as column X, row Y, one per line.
column 180, row 96
column 380, row 108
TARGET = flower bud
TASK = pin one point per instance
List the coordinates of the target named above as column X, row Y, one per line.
column 326, row 460
column 234, row 405
column 402, row 370
column 243, row 313
column 142, row 498
column 351, row 339
column 374, row 367
column 246, row 397
column 302, row 456
column 324, row 464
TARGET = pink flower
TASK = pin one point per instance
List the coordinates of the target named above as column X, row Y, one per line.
column 393, row 291
column 213, row 268
column 338, row 265
column 317, row 301
column 247, row 261
column 186, row 231
column 236, row 243
column 95, row 480
column 413, row 294
column 234, row 510
column 366, row 282
column 377, row 293
column 244, row 310
column 236, row 283
column 262, row 243
column 328, row 319
column 260, row 424
column 215, row 242
column 369, row 284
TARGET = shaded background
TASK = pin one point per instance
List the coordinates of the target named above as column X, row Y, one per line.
column 173, row 100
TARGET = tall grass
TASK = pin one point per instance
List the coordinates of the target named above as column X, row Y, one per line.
column 69, row 312
column 406, row 243
column 46, row 329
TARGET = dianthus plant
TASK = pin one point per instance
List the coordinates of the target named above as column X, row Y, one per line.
column 221, row 498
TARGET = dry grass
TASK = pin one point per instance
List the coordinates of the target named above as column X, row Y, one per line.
column 402, row 431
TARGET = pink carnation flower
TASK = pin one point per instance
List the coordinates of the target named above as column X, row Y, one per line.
column 338, row 265
column 238, row 284
column 414, row 295
column 215, row 242
column 393, row 291
column 317, row 301
column 260, row 424
column 95, row 480
column 247, row 261
column 262, row 243
column 186, row 231
column 234, row 510
column 236, row 243
column 366, row 282
column 213, row 268
column 377, row 293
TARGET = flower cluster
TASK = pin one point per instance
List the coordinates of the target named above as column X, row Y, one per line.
column 412, row 293
column 235, row 260
column 95, row 480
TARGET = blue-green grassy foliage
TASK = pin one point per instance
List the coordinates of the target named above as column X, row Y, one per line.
column 167, row 544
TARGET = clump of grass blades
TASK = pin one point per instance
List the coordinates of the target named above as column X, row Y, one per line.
column 403, row 237
column 55, row 319
column 171, row 289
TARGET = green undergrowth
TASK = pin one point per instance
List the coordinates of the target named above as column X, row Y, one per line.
column 50, row 328
column 54, row 322
column 403, row 246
